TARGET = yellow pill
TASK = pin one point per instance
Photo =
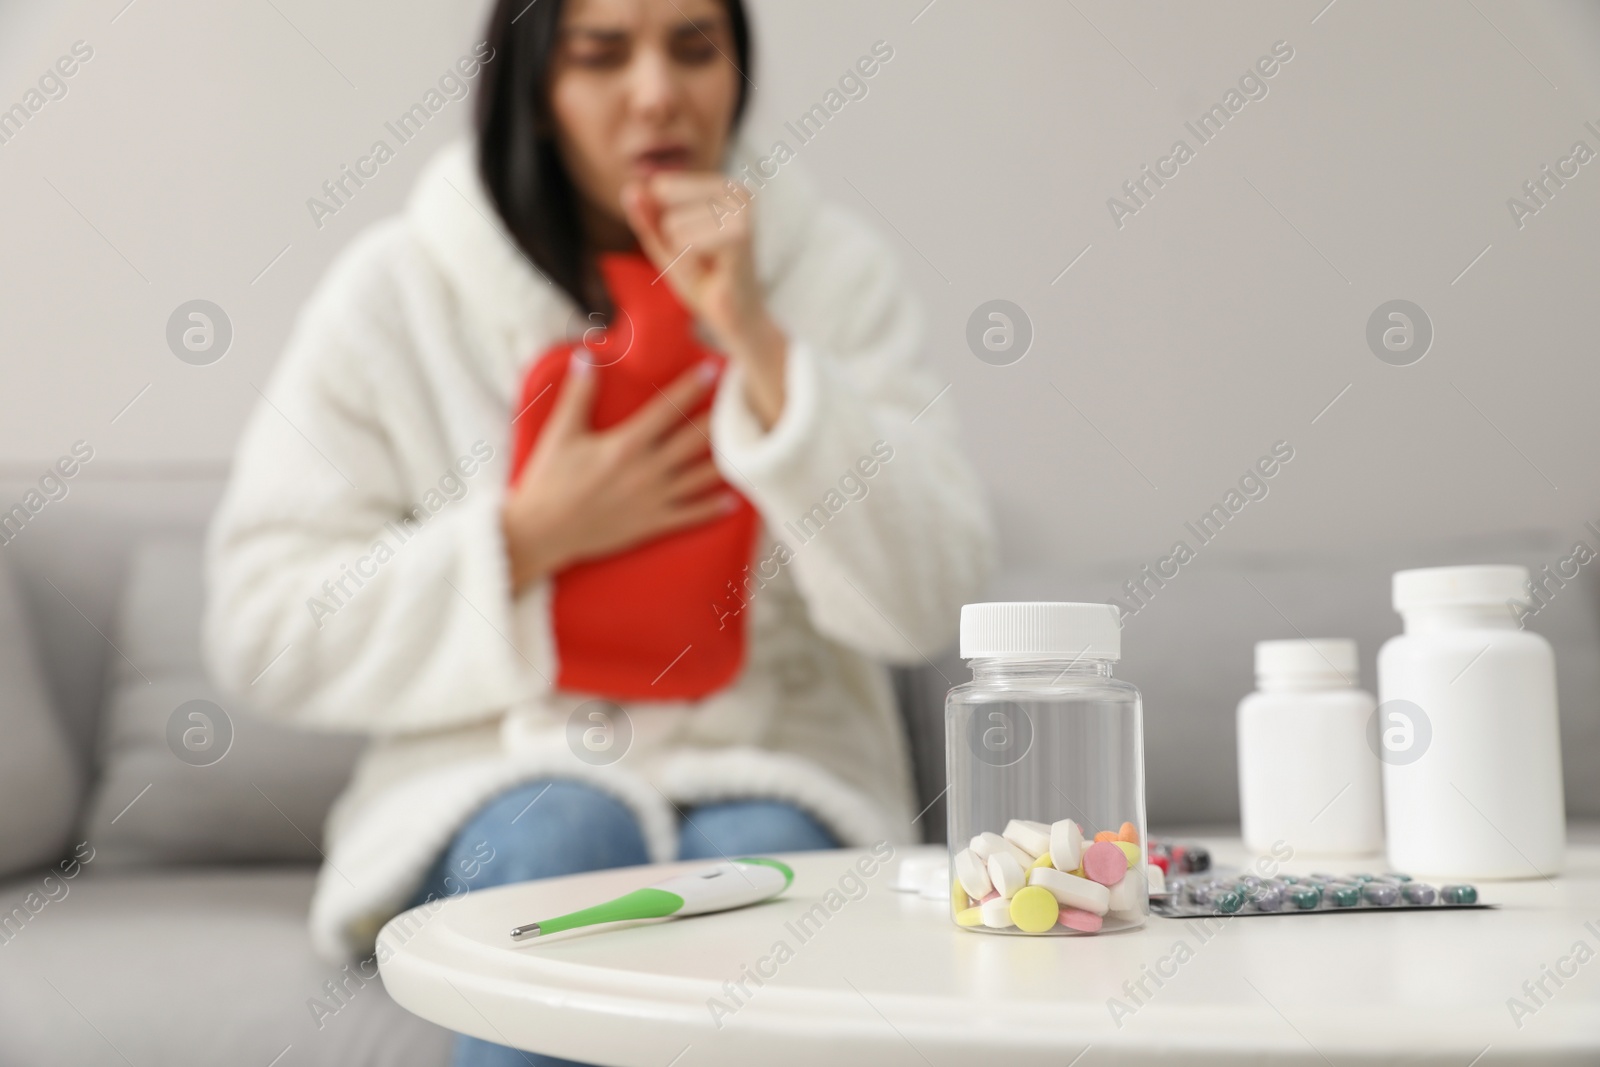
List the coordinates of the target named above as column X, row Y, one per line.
column 969, row 917
column 1042, row 861
column 1034, row 910
column 1134, row 852
column 958, row 896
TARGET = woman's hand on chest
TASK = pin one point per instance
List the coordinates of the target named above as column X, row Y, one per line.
column 708, row 258
column 585, row 494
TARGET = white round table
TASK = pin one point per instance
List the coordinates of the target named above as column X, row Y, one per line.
column 887, row 979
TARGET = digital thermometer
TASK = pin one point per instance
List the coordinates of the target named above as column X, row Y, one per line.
column 748, row 880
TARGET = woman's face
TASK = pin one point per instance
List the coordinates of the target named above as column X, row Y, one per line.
column 640, row 86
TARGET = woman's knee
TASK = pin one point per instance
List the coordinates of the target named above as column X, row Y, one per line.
column 542, row 830
column 744, row 827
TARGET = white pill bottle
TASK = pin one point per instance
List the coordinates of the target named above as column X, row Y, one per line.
column 1467, row 730
column 1044, row 749
column 1307, row 778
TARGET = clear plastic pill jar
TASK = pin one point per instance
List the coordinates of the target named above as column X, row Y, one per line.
column 1045, row 761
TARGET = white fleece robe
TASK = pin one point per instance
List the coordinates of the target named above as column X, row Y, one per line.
column 328, row 608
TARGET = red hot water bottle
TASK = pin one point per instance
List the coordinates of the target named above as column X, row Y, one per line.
column 650, row 622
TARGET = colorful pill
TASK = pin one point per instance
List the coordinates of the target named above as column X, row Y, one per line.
column 1128, row 832
column 1381, row 893
column 1034, row 910
column 1105, row 863
column 1066, row 845
column 1044, row 860
column 1418, row 893
column 969, row 917
column 1267, row 898
column 1085, row 922
column 1344, row 896
column 1305, row 898
column 1458, row 894
column 1134, row 853
column 1106, row 835
column 1228, row 901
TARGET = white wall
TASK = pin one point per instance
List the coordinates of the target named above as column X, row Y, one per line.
column 1210, row 325
column 190, row 142
column 1190, row 340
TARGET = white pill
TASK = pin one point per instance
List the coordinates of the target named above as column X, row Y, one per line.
column 1066, row 845
column 972, row 874
column 1006, row 874
column 1028, row 837
column 988, row 843
column 1157, row 879
column 1072, row 891
column 996, row 913
column 1127, row 895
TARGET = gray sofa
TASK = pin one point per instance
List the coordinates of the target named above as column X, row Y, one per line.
column 181, row 940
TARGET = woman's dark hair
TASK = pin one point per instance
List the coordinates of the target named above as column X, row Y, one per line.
column 517, row 155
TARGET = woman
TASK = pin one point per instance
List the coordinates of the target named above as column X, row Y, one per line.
column 371, row 569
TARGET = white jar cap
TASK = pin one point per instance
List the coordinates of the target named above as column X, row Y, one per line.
column 1446, row 586
column 1331, row 658
column 1023, row 629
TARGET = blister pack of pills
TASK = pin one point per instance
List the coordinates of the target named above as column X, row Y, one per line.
column 1176, row 858
column 1234, row 893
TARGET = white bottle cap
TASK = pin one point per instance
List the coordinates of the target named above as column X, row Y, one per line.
column 1029, row 629
column 1436, row 587
column 1332, row 660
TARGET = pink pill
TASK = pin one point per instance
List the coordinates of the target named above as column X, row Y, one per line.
column 1086, row 922
column 1105, row 863
column 993, row 895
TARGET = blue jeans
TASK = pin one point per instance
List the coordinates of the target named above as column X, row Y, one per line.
column 549, row 828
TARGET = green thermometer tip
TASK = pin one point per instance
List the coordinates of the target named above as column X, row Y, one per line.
column 640, row 904
column 743, row 881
